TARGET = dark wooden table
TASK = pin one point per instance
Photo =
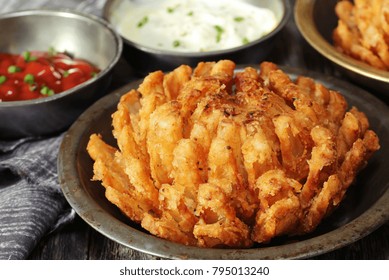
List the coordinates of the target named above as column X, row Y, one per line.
column 79, row 241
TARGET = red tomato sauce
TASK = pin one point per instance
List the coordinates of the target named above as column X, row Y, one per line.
column 38, row 74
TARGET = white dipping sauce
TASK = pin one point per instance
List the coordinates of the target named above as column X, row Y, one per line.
column 192, row 25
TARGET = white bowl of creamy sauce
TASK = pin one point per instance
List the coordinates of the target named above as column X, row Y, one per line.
column 193, row 25
column 164, row 34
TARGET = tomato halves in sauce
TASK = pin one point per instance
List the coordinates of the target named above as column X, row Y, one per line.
column 37, row 74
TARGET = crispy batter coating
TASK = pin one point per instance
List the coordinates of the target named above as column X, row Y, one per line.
column 363, row 31
column 212, row 158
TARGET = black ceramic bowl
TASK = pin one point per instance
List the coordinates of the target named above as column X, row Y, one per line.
column 85, row 37
column 316, row 20
column 145, row 59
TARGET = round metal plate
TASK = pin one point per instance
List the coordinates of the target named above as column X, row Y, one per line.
column 365, row 207
column 316, row 21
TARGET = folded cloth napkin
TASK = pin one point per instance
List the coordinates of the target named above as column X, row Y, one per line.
column 31, row 202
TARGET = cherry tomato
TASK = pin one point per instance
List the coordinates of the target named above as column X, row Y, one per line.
column 84, row 67
column 74, row 77
column 4, row 65
column 27, row 92
column 9, row 92
column 37, row 74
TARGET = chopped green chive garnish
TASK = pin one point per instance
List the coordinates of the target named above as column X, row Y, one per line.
column 65, row 73
column 219, row 32
column 176, row 43
column 239, row 19
column 44, row 90
column 47, row 91
column 13, row 69
column 2, row 79
column 93, row 74
column 29, row 79
column 172, row 9
column 190, row 13
column 245, row 41
column 27, row 57
column 143, row 21
column 52, row 51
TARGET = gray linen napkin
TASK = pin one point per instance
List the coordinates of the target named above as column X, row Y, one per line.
column 31, row 202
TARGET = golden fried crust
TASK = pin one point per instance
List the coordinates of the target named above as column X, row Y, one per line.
column 109, row 169
column 280, row 210
column 362, row 31
column 164, row 132
column 213, row 158
column 327, row 199
column 321, row 164
column 384, row 20
column 175, row 80
column 134, row 157
column 218, row 224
